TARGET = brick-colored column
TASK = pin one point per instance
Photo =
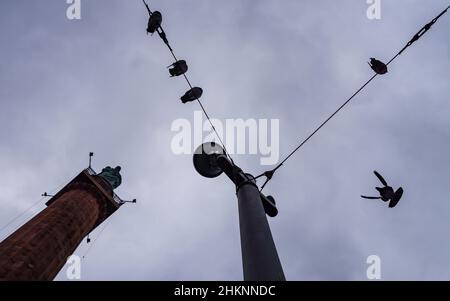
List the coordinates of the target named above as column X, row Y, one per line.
column 40, row 248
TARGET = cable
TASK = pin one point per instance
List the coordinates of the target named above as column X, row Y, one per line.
column 29, row 208
column 162, row 34
column 269, row 174
column 204, row 110
column 98, row 236
column 21, row 214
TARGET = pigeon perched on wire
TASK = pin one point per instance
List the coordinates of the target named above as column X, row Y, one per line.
column 192, row 94
column 178, row 68
column 378, row 66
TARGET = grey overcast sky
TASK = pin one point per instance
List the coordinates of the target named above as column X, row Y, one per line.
column 100, row 84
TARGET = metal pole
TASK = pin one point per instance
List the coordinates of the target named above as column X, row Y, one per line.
column 259, row 254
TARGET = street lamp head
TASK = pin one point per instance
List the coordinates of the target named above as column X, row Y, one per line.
column 270, row 206
column 205, row 159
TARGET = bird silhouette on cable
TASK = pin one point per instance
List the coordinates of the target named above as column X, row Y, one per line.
column 192, row 94
column 154, row 25
column 378, row 66
column 387, row 193
column 178, row 68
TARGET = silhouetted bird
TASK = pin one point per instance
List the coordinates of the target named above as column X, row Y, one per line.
column 178, row 68
column 192, row 94
column 154, row 22
column 378, row 66
column 386, row 193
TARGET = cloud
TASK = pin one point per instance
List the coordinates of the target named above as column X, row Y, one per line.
column 99, row 84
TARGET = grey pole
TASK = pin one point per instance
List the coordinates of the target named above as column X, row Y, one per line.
column 259, row 255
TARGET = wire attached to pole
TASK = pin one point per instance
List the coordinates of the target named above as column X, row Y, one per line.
column 22, row 214
column 269, row 174
column 163, row 36
column 43, row 197
column 91, row 243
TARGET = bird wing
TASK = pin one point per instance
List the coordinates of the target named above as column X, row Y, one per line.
column 382, row 180
column 371, row 197
column 397, row 196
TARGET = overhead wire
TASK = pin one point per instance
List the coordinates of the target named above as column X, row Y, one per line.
column 23, row 212
column 163, row 36
column 95, row 240
column 269, row 174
